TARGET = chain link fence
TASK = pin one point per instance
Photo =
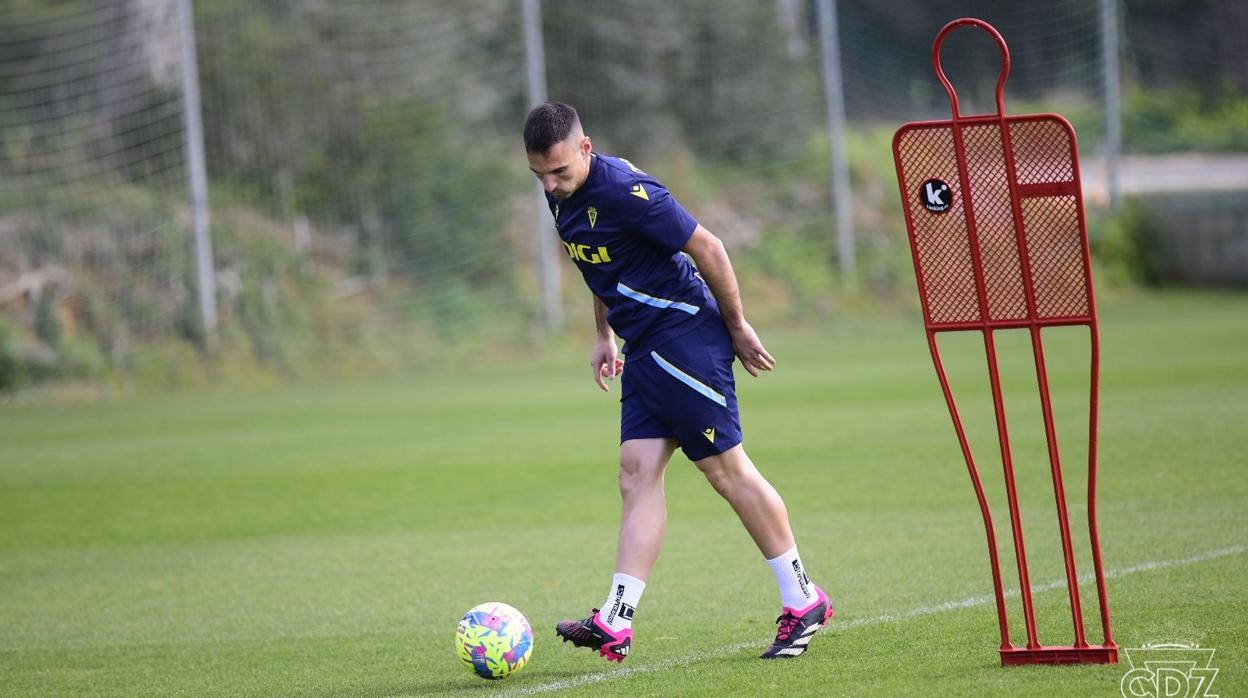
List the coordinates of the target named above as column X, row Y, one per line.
column 368, row 196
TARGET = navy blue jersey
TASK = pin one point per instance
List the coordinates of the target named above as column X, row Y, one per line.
column 624, row 231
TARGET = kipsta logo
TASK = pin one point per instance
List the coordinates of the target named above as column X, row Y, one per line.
column 936, row 196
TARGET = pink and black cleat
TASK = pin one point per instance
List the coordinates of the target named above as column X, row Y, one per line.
column 798, row 626
column 591, row 632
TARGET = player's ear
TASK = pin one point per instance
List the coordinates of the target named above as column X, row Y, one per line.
column 586, row 146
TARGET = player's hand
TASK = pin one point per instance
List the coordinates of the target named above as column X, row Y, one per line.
column 605, row 362
column 750, row 350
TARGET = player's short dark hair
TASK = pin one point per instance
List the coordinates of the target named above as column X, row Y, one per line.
column 548, row 124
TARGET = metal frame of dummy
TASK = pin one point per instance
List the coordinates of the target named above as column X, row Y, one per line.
column 1039, row 211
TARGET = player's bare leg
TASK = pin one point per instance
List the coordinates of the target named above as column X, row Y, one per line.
column 643, row 516
column 806, row 608
column 643, row 524
column 756, row 502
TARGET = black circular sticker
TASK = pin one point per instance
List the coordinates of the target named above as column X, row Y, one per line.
column 936, row 196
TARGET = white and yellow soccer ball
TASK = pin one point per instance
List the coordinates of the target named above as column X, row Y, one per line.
column 494, row 639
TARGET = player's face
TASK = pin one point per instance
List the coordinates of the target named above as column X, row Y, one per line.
column 563, row 169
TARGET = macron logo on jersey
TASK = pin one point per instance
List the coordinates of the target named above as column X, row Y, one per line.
column 639, row 192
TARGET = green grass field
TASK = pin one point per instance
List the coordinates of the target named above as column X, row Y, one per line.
column 324, row 541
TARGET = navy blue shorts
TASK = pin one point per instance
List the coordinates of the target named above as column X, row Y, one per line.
column 684, row 390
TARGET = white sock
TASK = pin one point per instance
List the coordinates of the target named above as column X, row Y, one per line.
column 617, row 610
column 796, row 590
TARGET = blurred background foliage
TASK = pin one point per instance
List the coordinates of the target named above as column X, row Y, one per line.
column 370, row 203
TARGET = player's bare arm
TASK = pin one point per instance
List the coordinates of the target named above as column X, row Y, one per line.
column 709, row 254
column 604, row 359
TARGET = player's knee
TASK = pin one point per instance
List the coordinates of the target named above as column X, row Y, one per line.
column 724, row 475
column 719, row 480
column 638, row 472
column 728, row 471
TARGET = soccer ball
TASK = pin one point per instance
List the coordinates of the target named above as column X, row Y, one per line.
column 494, row 639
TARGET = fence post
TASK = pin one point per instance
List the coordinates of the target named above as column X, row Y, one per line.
column 833, row 91
column 547, row 259
column 1113, row 111
column 197, row 177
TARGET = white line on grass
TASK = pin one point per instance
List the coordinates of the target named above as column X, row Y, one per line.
column 911, row 614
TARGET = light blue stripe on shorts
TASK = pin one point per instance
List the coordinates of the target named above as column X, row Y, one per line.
column 702, row 388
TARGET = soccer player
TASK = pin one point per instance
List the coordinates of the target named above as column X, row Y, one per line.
column 682, row 325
